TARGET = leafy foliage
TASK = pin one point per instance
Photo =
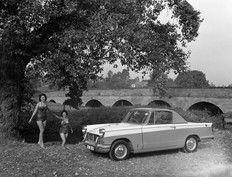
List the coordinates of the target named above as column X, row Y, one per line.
column 119, row 80
column 158, row 81
column 192, row 79
column 68, row 41
column 104, row 31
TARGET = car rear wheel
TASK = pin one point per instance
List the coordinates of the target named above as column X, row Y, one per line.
column 191, row 144
column 120, row 150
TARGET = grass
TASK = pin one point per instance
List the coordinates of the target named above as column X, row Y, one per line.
column 19, row 159
column 26, row 159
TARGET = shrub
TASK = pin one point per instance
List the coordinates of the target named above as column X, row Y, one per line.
column 104, row 115
column 79, row 118
column 201, row 116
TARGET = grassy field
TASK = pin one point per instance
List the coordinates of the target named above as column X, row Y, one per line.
column 20, row 159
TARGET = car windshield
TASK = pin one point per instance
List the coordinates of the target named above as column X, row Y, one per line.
column 136, row 116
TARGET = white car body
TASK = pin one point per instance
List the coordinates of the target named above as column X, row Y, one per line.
column 152, row 133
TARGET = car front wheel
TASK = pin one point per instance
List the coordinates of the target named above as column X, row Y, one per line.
column 191, row 144
column 120, row 150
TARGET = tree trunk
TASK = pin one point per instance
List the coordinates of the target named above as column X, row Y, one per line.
column 12, row 69
column 9, row 104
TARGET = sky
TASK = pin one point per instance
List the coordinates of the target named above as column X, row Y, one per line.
column 211, row 52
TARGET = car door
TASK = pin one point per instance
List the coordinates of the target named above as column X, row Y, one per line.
column 159, row 133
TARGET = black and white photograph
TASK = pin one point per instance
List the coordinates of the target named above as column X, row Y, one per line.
column 115, row 88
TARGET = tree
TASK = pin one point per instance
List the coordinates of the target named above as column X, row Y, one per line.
column 212, row 84
column 230, row 85
column 120, row 80
column 68, row 41
column 192, row 79
column 170, row 83
column 160, row 82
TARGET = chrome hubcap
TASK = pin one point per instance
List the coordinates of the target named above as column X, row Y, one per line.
column 120, row 151
column 191, row 144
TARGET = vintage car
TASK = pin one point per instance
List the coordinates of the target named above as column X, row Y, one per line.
column 146, row 130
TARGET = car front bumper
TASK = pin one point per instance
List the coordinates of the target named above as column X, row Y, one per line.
column 93, row 146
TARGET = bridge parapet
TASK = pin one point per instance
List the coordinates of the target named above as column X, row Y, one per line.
column 172, row 92
column 118, row 92
column 210, row 92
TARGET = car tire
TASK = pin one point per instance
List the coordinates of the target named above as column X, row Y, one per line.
column 191, row 144
column 120, row 150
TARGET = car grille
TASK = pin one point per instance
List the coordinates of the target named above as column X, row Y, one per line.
column 92, row 137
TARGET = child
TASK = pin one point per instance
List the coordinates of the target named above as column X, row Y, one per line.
column 65, row 126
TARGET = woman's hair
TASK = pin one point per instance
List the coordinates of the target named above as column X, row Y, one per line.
column 63, row 112
column 42, row 94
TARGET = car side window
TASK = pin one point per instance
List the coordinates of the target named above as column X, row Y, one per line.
column 163, row 117
column 151, row 119
column 138, row 116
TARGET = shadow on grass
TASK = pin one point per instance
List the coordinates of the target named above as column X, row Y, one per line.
column 139, row 155
column 155, row 153
column 204, row 145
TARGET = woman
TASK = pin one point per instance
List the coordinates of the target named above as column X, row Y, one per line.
column 65, row 126
column 41, row 119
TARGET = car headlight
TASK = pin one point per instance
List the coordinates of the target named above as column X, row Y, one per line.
column 84, row 130
column 102, row 132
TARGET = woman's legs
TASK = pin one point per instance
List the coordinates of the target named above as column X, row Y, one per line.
column 41, row 126
column 63, row 137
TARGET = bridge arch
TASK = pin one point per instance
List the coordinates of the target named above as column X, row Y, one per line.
column 52, row 101
column 204, row 105
column 159, row 103
column 93, row 103
column 122, row 103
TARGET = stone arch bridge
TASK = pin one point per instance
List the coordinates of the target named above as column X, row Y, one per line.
column 219, row 99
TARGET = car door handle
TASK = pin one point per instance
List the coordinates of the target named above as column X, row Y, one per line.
column 173, row 127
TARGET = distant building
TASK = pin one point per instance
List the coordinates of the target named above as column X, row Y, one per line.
column 139, row 84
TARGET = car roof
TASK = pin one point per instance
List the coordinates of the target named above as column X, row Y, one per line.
column 177, row 118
